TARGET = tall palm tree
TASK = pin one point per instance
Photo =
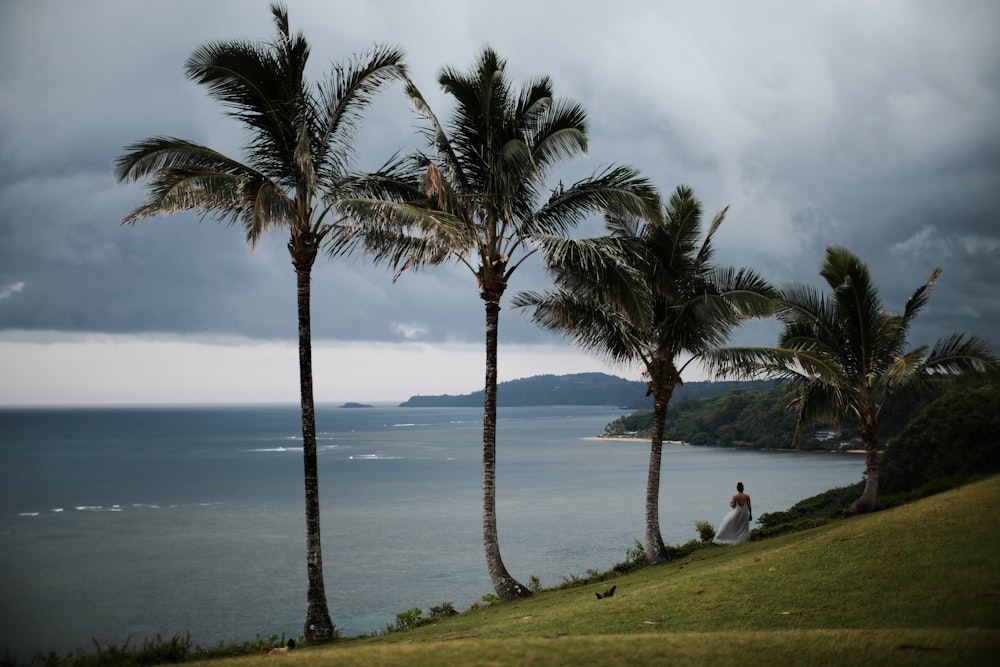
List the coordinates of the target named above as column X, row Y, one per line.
column 295, row 167
column 478, row 200
column 846, row 355
column 664, row 299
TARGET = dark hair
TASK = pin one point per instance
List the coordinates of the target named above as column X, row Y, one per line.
column 739, row 486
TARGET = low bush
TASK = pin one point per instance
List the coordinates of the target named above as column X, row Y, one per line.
column 443, row 610
column 407, row 620
column 790, row 527
column 705, row 530
column 827, row 505
column 159, row 651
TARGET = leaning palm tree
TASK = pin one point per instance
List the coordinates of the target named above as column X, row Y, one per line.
column 478, row 199
column 295, row 167
column 647, row 293
column 845, row 355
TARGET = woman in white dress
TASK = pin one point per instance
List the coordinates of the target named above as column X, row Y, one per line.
column 735, row 526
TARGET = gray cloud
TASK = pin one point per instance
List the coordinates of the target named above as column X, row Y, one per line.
column 870, row 125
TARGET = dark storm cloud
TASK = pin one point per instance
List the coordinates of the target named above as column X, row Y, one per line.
column 870, row 125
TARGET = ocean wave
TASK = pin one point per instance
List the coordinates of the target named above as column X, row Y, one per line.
column 110, row 508
column 372, row 457
column 319, row 437
column 98, row 508
column 280, row 450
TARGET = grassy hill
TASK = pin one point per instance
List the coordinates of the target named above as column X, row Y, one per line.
column 915, row 585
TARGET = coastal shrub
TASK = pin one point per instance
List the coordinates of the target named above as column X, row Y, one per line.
column 752, row 415
column 931, row 488
column 705, row 530
column 490, row 598
column 784, row 528
column 686, row 549
column 152, row 652
column 571, row 580
column 406, row 620
column 534, row 584
column 443, row 610
column 635, row 559
column 827, row 505
column 954, row 436
column 158, row 651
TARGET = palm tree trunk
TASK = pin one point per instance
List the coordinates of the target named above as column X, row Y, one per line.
column 506, row 587
column 866, row 503
column 318, row 626
column 656, row 551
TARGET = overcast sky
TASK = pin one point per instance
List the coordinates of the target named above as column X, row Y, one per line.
column 868, row 124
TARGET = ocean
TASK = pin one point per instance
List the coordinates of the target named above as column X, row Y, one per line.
column 127, row 523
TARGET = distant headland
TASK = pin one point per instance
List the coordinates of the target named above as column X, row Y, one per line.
column 356, row 405
column 574, row 389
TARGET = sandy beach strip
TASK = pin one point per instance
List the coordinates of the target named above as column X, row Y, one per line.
column 630, row 438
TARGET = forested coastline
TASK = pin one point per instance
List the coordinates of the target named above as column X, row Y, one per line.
column 577, row 389
column 758, row 417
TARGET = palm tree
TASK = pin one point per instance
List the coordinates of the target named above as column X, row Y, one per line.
column 846, row 355
column 665, row 298
column 295, row 168
column 478, row 200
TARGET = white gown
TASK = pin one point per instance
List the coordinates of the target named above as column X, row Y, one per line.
column 735, row 527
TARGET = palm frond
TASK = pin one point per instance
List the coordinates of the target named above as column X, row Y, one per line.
column 819, row 403
column 401, row 235
column 901, row 323
column 184, row 176
column 745, row 290
column 617, row 191
column 599, row 266
column 560, row 135
column 438, row 138
column 705, row 253
column 624, row 226
column 750, row 363
column 145, row 158
column 348, row 91
column 959, row 353
column 595, row 327
column 920, row 296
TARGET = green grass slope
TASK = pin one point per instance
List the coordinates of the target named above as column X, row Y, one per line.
column 915, row 585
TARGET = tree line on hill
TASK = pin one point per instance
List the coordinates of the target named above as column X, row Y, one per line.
column 577, row 389
column 936, row 444
column 952, row 440
column 753, row 415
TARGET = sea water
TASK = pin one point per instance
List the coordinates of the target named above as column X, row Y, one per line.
column 127, row 523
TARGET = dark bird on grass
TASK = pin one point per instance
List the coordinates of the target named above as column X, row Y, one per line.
column 606, row 594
